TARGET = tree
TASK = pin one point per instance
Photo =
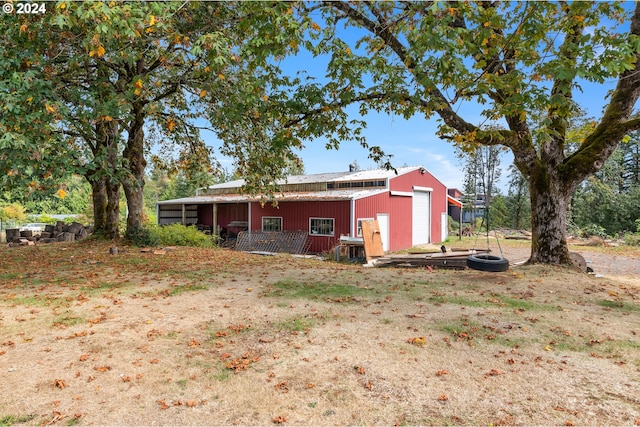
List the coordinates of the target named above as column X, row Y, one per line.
column 108, row 74
column 630, row 159
column 482, row 172
column 517, row 199
column 513, row 59
column 12, row 211
column 608, row 200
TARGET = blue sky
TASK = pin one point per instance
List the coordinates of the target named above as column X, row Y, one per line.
column 414, row 142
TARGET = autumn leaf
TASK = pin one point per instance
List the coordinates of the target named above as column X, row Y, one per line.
column 61, row 193
column 280, row 419
column 171, row 124
column 59, row 384
column 50, row 108
column 282, row 387
column 152, row 20
column 419, row 341
column 100, row 52
column 203, row 93
column 443, row 398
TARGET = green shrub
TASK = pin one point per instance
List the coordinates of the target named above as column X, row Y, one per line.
column 46, row 219
column 632, row 239
column 454, row 226
column 595, row 230
column 145, row 236
column 171, row 235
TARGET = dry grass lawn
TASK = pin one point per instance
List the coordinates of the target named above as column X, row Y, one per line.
column 215, row 337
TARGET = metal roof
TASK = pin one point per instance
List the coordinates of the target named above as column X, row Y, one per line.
column 286, row 197
column 454, row 201
column 373, row 174
column 327, row 177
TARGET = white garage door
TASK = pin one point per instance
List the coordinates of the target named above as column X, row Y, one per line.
column 421, row 223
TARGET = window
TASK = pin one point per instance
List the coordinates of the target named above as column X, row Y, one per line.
column 271, row 223
column 359, row 230
column 357, row 184
column 321, row 226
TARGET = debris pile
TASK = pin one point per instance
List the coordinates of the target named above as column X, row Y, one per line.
column 61, row 232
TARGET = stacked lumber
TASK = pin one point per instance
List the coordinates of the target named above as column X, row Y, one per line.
column 451, row 259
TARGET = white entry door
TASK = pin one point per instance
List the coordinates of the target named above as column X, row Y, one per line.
column 383, row 223
column 445, row 227
column 421, row 223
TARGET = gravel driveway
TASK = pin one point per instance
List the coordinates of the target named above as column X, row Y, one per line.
column 601, row 263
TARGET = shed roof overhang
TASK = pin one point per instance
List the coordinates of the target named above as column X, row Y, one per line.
column 453, row 201
column 286, row 197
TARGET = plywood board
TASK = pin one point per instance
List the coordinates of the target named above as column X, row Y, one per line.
column 372, row 239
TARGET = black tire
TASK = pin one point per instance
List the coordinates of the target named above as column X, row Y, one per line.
column 489, row 263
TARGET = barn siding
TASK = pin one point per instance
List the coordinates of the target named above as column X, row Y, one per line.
column 296, row 214
column 205, row 215
column 295, row 217
column 229, row 212
column 399, row 210
column 438, row 197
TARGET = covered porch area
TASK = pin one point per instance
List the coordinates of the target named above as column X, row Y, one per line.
column 224, row 218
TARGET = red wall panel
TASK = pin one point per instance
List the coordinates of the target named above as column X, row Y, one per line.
column 228, row 212
column 205, row 214
column 438, row 197
column 295, row 217
column 296, row 214
column 399, row 210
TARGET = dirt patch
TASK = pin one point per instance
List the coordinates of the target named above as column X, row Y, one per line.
column 205, row 337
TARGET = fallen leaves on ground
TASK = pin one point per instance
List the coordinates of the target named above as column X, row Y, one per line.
column 419, row 341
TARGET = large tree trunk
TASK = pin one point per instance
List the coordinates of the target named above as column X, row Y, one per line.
column 112, row 210
column 549, row 205
column 134, row 197
column 134, row 183
column 99, row 198
column 106, row 197
column 106, row 207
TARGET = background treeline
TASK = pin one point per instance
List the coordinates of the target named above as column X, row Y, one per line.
column 607, row 204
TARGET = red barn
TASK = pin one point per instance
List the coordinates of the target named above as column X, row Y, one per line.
column 410, row 206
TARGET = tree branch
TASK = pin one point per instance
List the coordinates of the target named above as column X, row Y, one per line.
column 442, row 105
column 614, row 124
